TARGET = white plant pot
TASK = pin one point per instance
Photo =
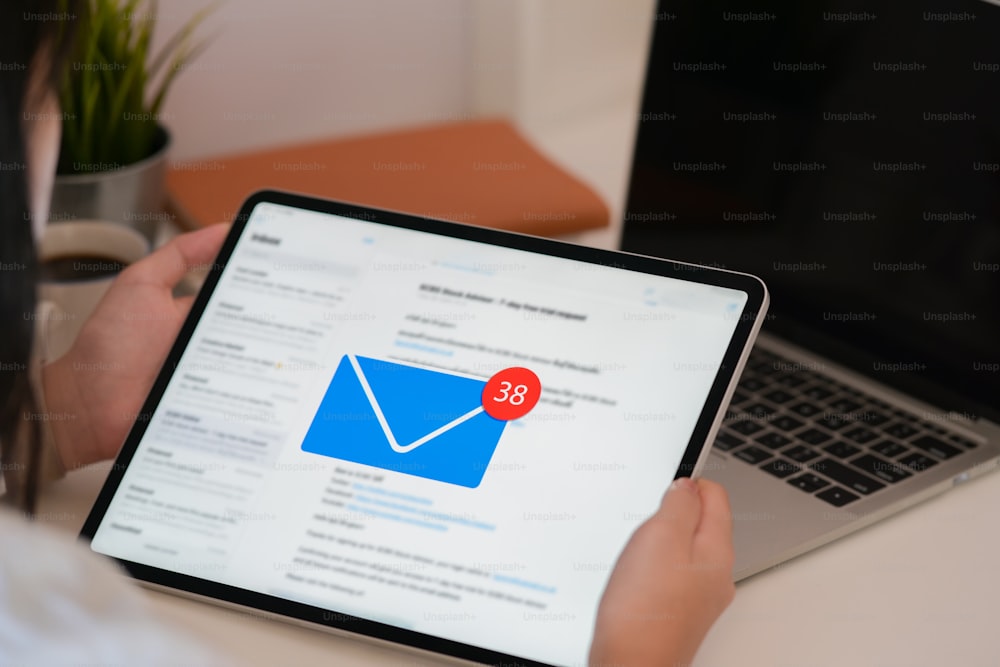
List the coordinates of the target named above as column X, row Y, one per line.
column 133, row 195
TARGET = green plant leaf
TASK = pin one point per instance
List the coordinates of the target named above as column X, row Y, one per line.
column 90, row 100
column 115, row 87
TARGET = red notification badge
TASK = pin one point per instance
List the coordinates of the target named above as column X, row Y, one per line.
column 511, row 393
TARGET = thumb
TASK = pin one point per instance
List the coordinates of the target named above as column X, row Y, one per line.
column 680, row 509
column 165, row 266
column 183, row 304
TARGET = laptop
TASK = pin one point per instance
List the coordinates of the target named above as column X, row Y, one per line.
column 850, row 155
column 421, row 432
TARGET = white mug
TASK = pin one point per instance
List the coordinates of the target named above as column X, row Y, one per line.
column 83, row 241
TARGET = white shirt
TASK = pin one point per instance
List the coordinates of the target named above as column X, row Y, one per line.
column 61, row 604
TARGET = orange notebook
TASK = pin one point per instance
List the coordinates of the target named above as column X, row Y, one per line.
column 480, row 172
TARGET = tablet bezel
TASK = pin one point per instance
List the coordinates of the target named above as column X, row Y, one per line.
column 694, row 456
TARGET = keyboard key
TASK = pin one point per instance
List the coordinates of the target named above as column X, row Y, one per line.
column 860, row 435
column 773, row 440
column 832, row 422
column 779, row 396
column 884, row 470
column 753, row 454
column 780, row 468
column 849, row 477
column 890, row 448
column 726, row 441
column 873, row 418
column 739, row 397
column 841, row 450
column 791, row 381
column 818, row 393
column 786, row 423
column 752, row 384
column 968, row 444
column 760, row 410
column 745, row 426
column 809, row 482
column 800, row 453
column 917, row 462
column 844, row 405
column 837, row 496
column 937, row 447
column 813, row 436
column 806, row 409
column 901, row 430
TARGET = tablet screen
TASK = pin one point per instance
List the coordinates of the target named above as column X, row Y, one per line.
column 437, row 434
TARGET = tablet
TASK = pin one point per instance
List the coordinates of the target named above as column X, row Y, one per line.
column 421, row 432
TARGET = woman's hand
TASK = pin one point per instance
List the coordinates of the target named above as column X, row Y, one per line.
column 671, row 582
column 102, row 381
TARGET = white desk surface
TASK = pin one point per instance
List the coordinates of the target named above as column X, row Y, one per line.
column 919, row 589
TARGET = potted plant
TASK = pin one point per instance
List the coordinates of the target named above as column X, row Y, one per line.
column 112, row 161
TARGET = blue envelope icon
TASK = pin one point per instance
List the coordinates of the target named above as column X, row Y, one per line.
column 407, row 419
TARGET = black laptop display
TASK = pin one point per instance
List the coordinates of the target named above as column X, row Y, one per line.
column 849, row 153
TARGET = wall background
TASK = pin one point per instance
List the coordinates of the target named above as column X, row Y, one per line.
column 557, row 59
column 567, row 72
column 292, row 70
column 296, row 69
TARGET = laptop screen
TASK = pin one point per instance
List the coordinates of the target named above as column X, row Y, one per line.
column 849, row 154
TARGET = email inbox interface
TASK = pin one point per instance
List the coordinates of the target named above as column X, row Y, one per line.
column 427, row 432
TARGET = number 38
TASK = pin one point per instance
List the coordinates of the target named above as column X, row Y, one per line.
column 515, row 397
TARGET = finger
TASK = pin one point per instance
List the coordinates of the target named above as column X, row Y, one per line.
column 167, row 265
column 183, row 304
column 715, row 529
column 680, row 509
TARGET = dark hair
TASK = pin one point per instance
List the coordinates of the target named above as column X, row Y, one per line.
column 34, row 40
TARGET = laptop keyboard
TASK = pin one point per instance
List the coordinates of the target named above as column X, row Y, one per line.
column 825, row 438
